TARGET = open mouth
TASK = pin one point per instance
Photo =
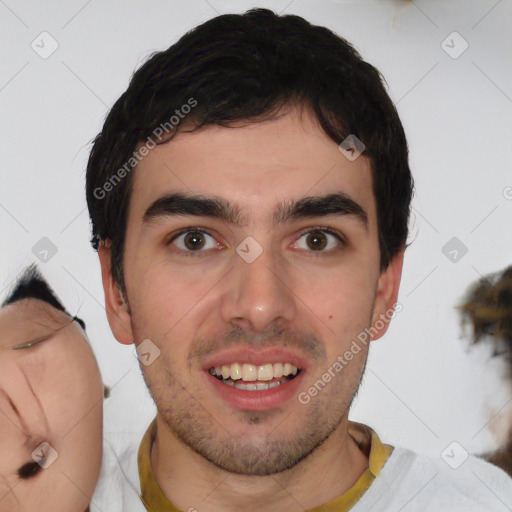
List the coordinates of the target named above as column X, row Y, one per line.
column 250, row 377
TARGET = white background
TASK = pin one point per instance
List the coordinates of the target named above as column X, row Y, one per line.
column 423, row 388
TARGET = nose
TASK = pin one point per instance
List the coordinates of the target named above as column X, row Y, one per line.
column 258, row 293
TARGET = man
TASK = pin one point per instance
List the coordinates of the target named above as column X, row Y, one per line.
column 249, row 196
column 51, row 398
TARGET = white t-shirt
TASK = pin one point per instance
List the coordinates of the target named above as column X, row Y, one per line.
column 408, row 482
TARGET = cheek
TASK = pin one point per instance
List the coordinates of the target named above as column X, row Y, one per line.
column 342, row 304
column 161, row 297
column 71, row 385
column 337, row 295
column 73, row 402
column 57, row 491
column 160, row 313
column 81, row 449
column 10, row 448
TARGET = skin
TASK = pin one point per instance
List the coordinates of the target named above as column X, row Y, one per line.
column 56, row 387
column 207, row 453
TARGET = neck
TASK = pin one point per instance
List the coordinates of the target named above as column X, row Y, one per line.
column 189, row 481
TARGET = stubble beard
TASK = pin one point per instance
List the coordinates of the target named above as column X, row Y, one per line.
column 197, row 429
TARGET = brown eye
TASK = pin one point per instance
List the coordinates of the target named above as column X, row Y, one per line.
column 316, row 240
column 321, row 242
column 194, row 240
column 29, row 470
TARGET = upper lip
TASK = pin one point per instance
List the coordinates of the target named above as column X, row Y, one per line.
column 256, row 357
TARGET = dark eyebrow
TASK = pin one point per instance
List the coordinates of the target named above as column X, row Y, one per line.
column 320, row 206
column 178, row 203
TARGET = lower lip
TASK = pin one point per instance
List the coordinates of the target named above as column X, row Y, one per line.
column 263, row 400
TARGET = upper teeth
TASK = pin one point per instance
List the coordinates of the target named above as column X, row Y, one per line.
column 251, row 372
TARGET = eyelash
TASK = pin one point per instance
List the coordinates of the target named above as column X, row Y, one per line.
column 314, row 254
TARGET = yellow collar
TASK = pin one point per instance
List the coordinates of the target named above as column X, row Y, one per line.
column 368, row 441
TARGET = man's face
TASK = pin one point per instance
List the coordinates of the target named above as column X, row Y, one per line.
column 206, row 305
column 49, row 392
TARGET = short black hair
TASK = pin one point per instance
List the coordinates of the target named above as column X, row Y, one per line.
column 247, row 67
column 30, row 284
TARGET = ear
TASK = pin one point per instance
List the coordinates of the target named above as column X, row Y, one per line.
column 386, row 296
column 117, row 310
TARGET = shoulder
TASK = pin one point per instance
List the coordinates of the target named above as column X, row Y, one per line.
column 454, row 481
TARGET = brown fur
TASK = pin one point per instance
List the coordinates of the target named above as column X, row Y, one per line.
column 488, row 308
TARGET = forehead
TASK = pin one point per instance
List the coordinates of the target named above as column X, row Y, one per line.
column 255, row 166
